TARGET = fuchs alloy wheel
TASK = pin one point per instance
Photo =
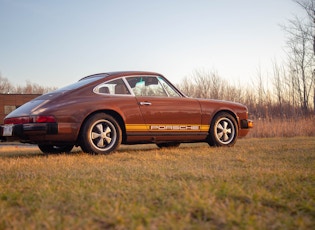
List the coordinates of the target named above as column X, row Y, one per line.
column 55, row 149
column 100, row 134
column 223, row 130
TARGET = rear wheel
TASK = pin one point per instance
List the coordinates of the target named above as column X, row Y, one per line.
column 223, row 131
column 100, row 134
column 55, row 149
column 168, row 144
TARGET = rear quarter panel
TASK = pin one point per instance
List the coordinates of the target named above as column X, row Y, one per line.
column 73, row 109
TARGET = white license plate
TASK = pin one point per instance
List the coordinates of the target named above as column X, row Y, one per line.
column 7, row 130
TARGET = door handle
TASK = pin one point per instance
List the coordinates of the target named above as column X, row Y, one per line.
column 145, row 103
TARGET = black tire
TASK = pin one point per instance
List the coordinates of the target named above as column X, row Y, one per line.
column 168, row 145
column 223, row 130
column 100, row 134
column 55, row 149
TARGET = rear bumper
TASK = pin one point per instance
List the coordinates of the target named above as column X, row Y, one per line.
column 25, row 131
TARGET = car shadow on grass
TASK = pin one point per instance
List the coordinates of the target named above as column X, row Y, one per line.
column 32, row 151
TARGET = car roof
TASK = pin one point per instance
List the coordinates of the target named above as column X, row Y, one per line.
column 120, row 73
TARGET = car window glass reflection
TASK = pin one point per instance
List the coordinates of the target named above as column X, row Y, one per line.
column 146, row 86
column 170, row 90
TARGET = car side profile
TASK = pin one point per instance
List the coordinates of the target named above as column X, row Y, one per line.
column 102, row 111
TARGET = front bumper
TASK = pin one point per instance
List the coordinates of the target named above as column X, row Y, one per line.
column 247, row 124
column 26, row 131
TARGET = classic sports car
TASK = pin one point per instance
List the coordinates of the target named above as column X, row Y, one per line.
column 102, row 111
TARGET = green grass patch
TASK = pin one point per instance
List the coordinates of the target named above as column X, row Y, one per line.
column 257, row 184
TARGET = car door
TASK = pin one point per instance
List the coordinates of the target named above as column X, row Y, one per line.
column 165, row 111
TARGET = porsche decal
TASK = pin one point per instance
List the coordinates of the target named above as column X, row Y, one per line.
column 175, row 127
column 168, row 127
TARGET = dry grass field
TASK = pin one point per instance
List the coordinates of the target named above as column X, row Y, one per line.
column 283, row 127
column 257, row 184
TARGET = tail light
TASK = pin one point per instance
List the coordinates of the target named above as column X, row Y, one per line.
column 17, row 120
column 44, row 119
column 30, row 119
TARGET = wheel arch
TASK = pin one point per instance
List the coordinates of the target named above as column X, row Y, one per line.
column 112, row 113
column 225, row 111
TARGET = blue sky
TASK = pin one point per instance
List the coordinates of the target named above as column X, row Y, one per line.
column 55, row 43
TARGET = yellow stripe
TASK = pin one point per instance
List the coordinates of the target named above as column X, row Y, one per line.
column 167, row 127
column 205, row 128
column 137, row 127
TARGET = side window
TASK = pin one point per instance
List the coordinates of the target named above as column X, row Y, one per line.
column 115, row 87
column 169, row 89
column 146, row 86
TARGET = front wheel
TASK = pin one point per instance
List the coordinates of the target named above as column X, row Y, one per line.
column 100, row 134
column 55, row 149
column 223, row 130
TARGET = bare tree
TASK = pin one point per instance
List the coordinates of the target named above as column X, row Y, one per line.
column 202, row 82
column 279, row 87
column 259, row 83
column 300, row 49
column 32, row 88
column 5, row 85
column 186, row 87
column 309, row 7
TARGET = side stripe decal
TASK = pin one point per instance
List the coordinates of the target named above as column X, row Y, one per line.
column 167, row 127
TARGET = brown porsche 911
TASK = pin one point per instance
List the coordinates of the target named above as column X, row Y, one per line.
column 102, row 111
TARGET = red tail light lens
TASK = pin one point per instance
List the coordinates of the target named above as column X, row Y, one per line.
column 44, row 119
column 31, row 119
column 17, row 120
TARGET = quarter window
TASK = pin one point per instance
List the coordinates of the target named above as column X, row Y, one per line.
column 115, row 87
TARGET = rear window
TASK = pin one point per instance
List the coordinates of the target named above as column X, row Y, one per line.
column 80, row 83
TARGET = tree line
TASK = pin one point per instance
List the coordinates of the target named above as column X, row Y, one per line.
column 6, row 87
column 263, row 101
